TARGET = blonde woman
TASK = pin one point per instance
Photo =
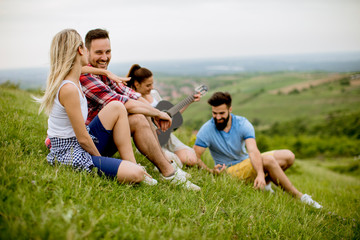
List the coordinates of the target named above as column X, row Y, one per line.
column 66, row 105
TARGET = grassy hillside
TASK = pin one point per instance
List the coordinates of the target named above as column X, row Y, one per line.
column 253, row 96
column 39, row 201
column 314, row 114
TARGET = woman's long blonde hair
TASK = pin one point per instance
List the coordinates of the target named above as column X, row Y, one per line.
column 63, row 52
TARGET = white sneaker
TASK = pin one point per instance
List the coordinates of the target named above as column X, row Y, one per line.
column 181, row 172
column 176, row 167
column 308, row 200
column 180, row 179
column 147, row 178
column 268, row 188
column 173, row 157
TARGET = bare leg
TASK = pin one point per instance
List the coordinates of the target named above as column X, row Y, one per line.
column 114, row 117
column 285, row 158
column 153, row 129
column 172, row 157
column 278, row 176
column 187, row 157
column 129, row 172
column 148, row 144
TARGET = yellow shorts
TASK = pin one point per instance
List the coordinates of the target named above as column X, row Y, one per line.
column 245, row 169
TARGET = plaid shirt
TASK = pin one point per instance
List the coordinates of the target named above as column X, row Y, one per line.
column 100, row 90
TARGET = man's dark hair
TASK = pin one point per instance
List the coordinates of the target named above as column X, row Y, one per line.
column 220, row 98
column 95, row 34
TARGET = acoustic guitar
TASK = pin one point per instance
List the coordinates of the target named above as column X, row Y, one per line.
column 173, row 111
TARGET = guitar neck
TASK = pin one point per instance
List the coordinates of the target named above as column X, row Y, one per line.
column 176, row 108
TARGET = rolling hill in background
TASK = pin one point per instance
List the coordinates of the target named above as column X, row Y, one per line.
column 263, row 100
column 330, row 62
column 266, row 90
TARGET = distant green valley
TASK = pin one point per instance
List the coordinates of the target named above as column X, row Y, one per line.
column 313, row 113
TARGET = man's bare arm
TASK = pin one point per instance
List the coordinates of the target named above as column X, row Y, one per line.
column 197, row 97
column 104, row 72
column 256, row 161
column 216, row 170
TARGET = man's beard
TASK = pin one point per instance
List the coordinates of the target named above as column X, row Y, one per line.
column 222, row 125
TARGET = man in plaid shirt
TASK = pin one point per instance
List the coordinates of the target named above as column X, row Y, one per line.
column 100, row 90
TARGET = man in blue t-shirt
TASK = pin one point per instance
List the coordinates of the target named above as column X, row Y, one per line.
column 231, row 141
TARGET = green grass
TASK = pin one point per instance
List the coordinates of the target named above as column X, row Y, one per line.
column 350, row 167
column 252, row 99
column 313, row 104
column 39, row 201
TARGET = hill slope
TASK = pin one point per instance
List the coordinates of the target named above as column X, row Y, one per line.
column 254, row 98
column 39, row 201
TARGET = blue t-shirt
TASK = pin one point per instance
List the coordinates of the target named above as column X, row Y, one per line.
column 226, row 147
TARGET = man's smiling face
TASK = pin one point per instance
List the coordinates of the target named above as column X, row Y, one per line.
column 100, row 53
column 221, row 115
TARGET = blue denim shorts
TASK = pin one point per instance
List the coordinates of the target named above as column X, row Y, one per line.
column 106, row 146
column 105, row 143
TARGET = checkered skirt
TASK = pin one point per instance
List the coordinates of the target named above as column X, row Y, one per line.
column 69, row 152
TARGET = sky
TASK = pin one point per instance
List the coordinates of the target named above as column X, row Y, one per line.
column 146, row 30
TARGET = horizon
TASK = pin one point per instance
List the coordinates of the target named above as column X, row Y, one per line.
column 35, row 77
column 293, row 56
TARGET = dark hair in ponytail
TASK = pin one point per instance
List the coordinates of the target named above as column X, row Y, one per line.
column 138, row 74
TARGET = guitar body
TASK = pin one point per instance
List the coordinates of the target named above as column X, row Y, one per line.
column 177, row 120
column 174, row 113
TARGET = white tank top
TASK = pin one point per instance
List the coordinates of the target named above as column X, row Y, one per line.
column 59, row 124
column 156, row 97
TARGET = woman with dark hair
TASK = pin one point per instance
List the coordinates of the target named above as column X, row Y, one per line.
column 142, row 81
